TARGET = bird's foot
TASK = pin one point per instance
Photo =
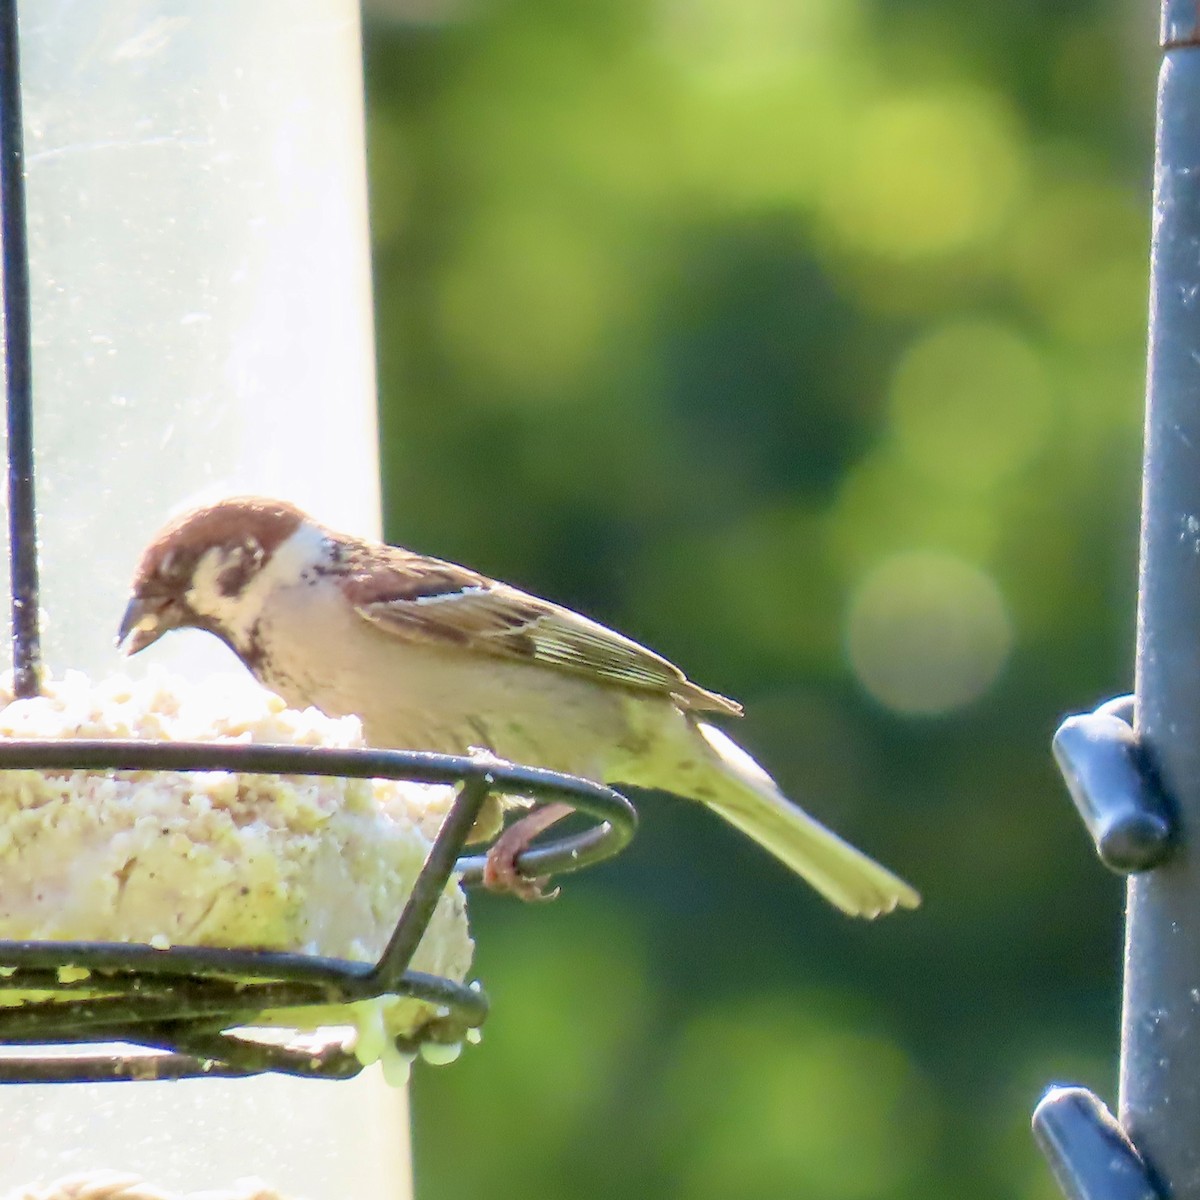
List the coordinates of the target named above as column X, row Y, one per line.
column 500, row 870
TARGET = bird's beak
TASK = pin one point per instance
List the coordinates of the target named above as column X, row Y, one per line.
column 146, row 619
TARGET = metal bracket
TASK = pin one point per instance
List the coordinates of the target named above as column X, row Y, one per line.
column 1115, row 787
column 1131, row 821
column 1089, row 1152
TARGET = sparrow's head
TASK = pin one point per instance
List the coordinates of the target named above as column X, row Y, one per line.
column 200, row 571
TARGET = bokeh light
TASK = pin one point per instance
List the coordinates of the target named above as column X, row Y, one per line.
column 971, row 403
column 972, row 172
column 927, row 633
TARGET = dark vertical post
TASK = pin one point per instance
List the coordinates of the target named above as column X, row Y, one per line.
column 1160, row 1059
column 18, row 365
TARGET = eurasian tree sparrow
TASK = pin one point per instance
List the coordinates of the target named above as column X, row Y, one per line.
column 433, row 656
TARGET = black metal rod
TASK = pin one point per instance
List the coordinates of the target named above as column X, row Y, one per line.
column 262, row 973
column 18, row 366
column 431, row 882
column 282, row 759
column 242, row 1054
column 146, row 961
column 211, row 1055
column 108, row 1068
column 1160, row 1053
column 51, row 1020
column 564, row 854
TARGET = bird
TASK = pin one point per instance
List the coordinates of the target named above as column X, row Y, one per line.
column 434, row 656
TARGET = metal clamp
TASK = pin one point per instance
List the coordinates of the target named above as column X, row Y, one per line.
column 1115, row 788
column 1090, row 1155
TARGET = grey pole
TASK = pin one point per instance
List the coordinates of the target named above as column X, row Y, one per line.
column 1160, row 1035
column 1140, row 793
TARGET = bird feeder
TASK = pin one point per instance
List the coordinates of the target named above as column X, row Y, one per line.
column 186, row 307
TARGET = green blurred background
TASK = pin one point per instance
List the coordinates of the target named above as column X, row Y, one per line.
column 802, row 340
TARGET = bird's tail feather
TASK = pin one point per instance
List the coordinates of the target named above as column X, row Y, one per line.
column 742, row 793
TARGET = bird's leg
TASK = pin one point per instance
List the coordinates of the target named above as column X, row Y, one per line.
column 500, row 873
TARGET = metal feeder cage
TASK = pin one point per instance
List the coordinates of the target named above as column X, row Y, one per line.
column 179, row 1010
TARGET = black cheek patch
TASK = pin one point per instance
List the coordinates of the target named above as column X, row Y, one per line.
column 233, row 579
column 245, row 563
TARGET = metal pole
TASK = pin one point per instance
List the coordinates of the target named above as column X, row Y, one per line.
column 18, row 360
column 1139, row 792
column 1160, row 1036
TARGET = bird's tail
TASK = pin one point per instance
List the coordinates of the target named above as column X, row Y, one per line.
column 739, row 790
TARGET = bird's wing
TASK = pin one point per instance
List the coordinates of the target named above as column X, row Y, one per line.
column 427, row 600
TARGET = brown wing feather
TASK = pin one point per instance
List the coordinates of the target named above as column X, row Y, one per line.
column 428, row 600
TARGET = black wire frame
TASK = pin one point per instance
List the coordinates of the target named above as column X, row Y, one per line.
column 181, row 1008
column 186, row 1003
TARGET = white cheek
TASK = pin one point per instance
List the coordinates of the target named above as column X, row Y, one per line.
column 204, row 596
column 299, row 553
column 235, row 614
column 284, row 569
